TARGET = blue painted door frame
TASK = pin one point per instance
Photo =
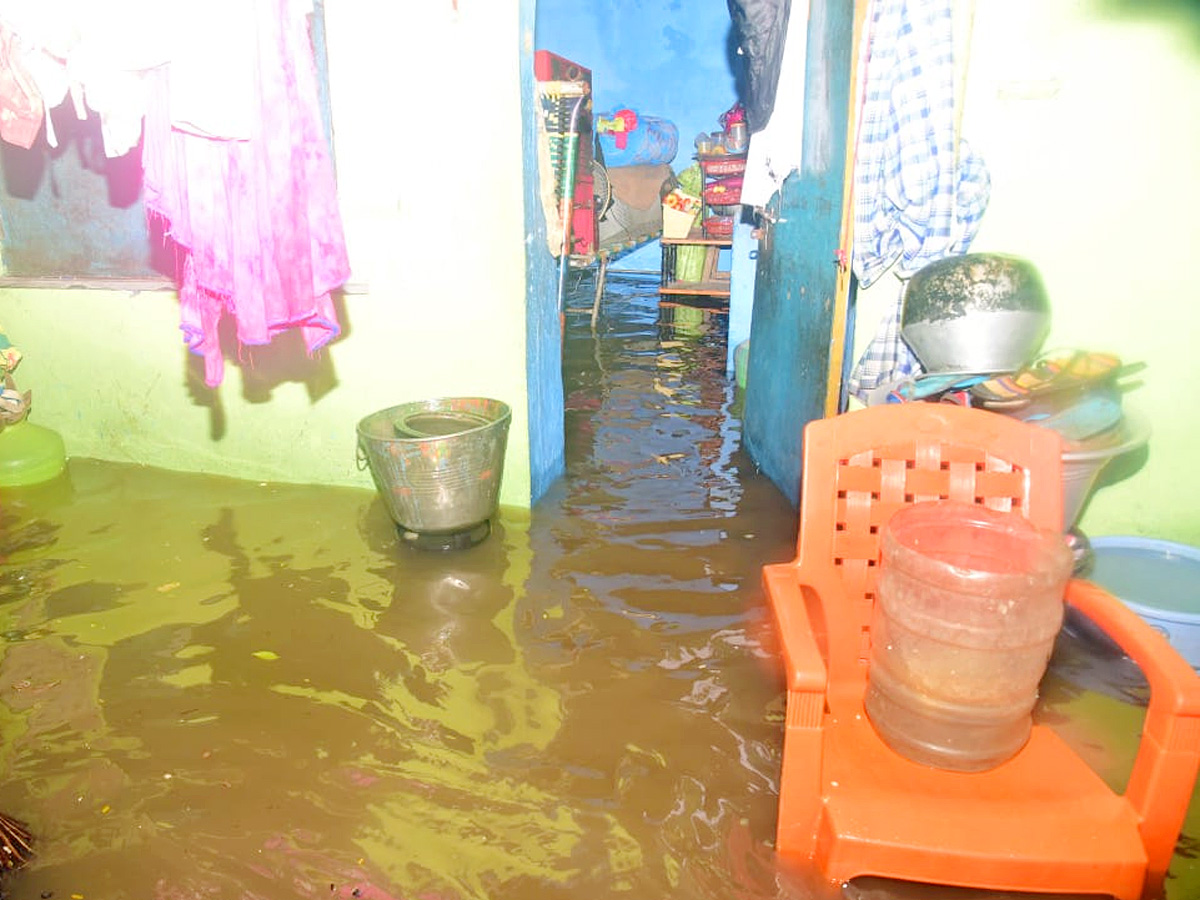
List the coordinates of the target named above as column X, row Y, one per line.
column 797, row 276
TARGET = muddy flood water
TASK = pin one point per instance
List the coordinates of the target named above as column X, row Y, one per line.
column 221, row 689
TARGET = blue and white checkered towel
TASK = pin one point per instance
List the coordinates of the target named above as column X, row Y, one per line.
column 917, row 197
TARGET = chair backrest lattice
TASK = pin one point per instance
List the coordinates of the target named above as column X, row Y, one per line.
column 861, row 467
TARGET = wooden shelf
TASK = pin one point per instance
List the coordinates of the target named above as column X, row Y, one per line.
column 713, row 282
column 698, row 237
column 697, row 288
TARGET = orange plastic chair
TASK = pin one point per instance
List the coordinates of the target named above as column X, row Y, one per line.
column 1042, row 821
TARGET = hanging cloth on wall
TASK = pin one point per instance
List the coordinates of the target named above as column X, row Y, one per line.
column 237, row 167
column 93, row 54
column 776, row 150
column 21, row 108
column 761, row 29
column 919, row 191
column 256, row 220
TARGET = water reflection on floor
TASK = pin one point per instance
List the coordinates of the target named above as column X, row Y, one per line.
column 221, row 689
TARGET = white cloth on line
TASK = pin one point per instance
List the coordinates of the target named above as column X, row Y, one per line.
column 775, row 151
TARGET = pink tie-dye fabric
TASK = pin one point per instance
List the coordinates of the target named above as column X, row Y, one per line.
column 256, row 220
column 20, row 103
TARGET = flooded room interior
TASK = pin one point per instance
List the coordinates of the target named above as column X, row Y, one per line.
column 488, row 450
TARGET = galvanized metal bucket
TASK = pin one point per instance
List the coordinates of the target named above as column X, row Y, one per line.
column 437, row 463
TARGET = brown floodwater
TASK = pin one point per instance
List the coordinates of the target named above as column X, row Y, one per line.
column 214, row 688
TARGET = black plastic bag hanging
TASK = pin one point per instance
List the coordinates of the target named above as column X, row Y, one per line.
column 760, row 27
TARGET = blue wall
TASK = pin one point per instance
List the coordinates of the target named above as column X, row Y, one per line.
column 543, row 334
column 665, row 58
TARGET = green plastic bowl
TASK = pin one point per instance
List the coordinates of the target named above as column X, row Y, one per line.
column 30, row 454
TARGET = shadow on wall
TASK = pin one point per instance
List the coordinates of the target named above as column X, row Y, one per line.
column 1182, row 15
column 264, row 368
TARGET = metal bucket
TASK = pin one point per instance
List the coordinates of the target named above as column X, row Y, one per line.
column 437, row 463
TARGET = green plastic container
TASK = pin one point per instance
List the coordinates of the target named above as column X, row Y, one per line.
column 689, row 262
column 741, row 360
column 30, row 454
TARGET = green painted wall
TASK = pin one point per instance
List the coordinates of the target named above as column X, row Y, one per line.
column 427, row 119
column 1085, row 113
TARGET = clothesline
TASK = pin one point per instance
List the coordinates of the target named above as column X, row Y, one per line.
column 237, row 169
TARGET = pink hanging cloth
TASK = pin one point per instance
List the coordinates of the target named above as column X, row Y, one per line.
column 21, row 108
column 256, row 216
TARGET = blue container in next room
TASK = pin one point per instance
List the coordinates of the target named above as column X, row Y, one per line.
column 1159, row 580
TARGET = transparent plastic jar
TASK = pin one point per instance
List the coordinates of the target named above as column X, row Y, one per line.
column 968, row 605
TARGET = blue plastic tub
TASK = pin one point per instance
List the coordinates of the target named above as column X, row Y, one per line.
column 1159, row 580
column 653, row 141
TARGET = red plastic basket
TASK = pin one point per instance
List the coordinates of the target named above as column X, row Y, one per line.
column 718, row 194
column 722, row 165
column 718, row 226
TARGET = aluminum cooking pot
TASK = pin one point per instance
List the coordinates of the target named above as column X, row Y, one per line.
column 976, row 313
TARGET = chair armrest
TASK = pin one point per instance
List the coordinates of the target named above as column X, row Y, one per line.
column 1168, row 756
column 802, row 657
column 801, row 769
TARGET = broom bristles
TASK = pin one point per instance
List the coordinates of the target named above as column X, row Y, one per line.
column 16, row 843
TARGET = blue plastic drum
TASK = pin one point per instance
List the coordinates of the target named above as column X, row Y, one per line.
column 1159, row 580
column 653, row 141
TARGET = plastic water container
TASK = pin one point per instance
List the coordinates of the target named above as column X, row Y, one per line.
column 1159, row 580
column 968, row 605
